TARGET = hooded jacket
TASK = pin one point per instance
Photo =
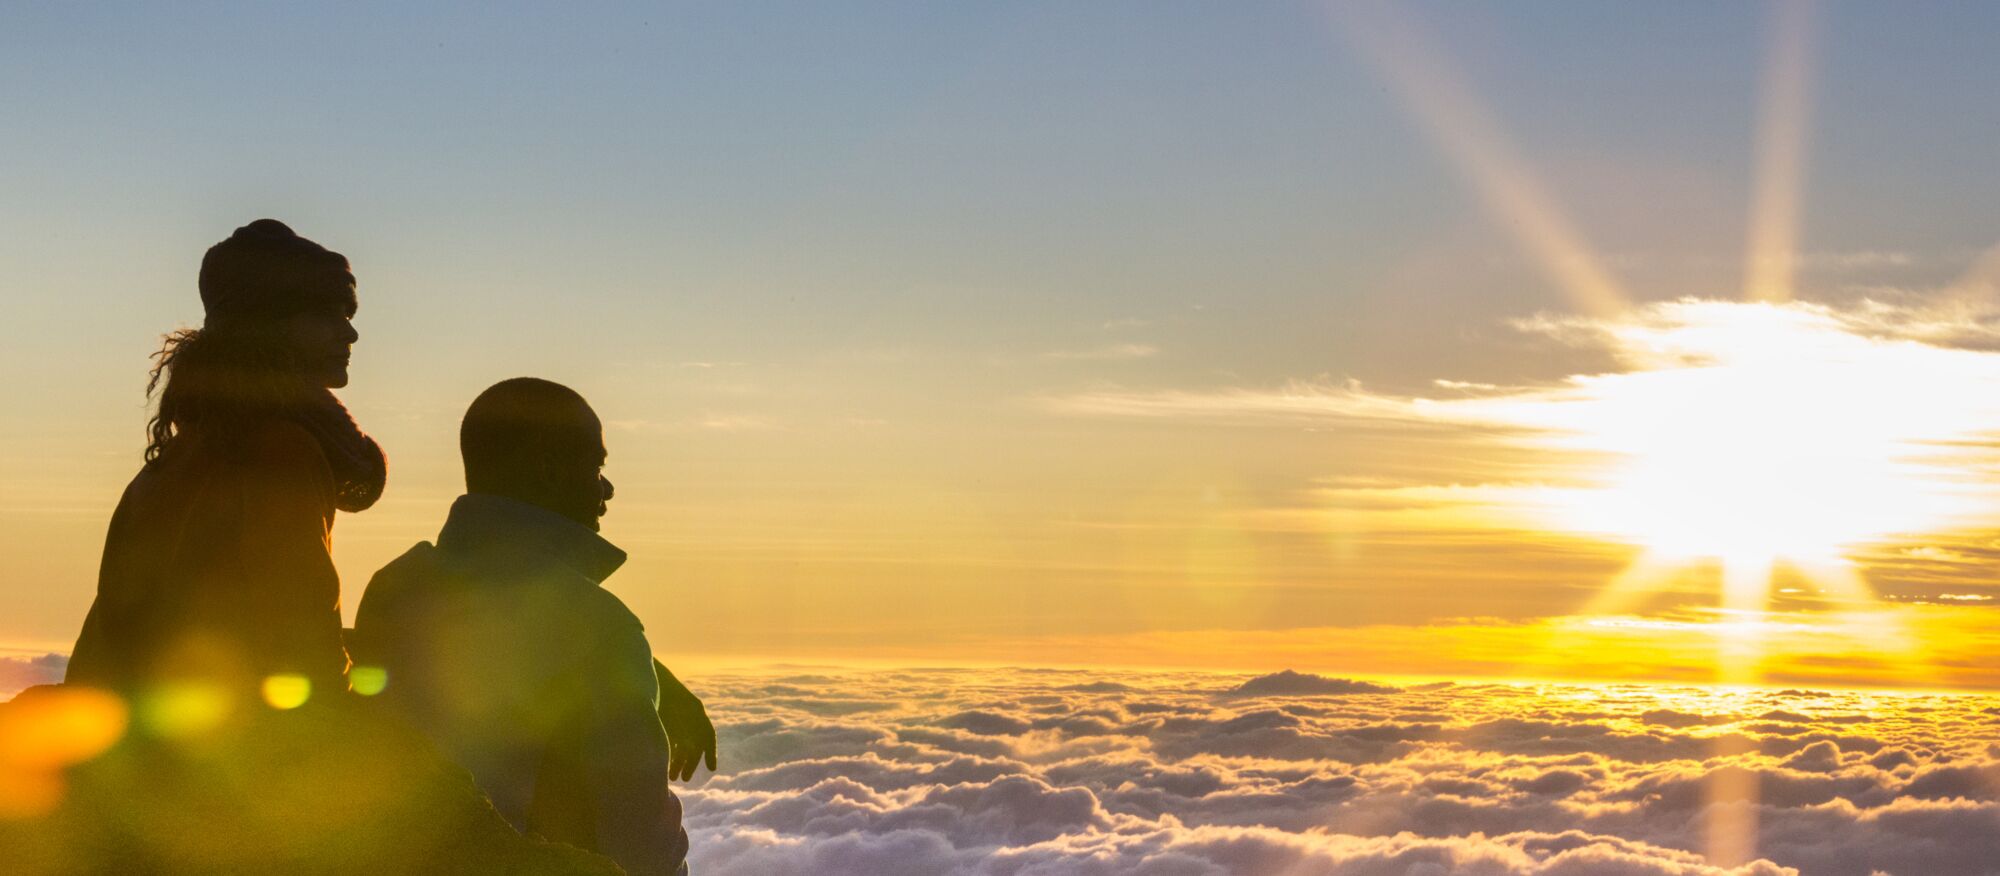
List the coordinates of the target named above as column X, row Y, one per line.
column 498, row 643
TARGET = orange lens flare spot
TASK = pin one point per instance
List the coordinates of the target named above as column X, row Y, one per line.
column 60, row 727
column 45, row 732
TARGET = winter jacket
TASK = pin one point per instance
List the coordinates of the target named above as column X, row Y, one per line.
column 218, row 567
column 499, row 645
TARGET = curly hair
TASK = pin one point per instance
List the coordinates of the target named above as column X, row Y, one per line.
column 214, row 382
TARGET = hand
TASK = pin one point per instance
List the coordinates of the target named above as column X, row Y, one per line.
column 690, row 735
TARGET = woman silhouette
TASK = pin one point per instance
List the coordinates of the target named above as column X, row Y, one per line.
column 217, row 564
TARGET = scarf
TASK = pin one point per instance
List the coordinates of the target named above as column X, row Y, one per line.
column 359, row 468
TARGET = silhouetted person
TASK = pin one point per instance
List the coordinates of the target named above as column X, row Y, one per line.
column 500, row 645
column 217, row 565
column 217, row 577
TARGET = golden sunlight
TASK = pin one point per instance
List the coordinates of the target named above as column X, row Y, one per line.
column 1751, row 434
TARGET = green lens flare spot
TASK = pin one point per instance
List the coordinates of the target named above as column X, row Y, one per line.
column 183, row 708
column 368, row 680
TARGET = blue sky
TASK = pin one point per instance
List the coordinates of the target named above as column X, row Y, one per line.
column 820, row 264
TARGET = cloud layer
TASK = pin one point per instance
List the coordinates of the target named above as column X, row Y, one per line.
column 1038, row 772
column 19, row 673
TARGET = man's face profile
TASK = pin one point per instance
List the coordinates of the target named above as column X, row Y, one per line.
column 577, row 472
column 538, row 442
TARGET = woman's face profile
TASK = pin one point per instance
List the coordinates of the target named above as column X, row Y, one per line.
column 322, row 339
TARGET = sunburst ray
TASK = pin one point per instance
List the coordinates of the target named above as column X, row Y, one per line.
column 1771, row 262
column 1473, row 140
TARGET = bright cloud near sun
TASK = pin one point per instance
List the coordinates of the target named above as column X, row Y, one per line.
column 1735, row 430
column 1761, row 431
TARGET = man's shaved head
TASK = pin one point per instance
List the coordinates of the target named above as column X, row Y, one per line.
column 539, row 442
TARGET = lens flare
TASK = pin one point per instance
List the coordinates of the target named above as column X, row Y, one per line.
column 368, row 680
column 46, row 731
column 1443, row 104
column 1781, row 135
column 287, row 691
column 181, row 709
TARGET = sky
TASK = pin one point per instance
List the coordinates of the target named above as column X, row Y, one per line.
column 1614, row 342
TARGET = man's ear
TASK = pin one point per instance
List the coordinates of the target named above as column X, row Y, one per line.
column 545, row 473
column 528, row 466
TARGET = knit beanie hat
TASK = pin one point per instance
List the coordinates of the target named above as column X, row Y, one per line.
column 266, row 271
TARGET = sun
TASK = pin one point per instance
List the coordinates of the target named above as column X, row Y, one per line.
column 1762, row 432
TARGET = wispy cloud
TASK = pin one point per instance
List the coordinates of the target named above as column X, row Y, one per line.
column 708, row 421
column 1871, row 419
column 1109, row 352
column 735, row 422
column 1840, row 260
column 1320, row 400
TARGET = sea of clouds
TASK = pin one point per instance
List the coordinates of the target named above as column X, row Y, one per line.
column 1036, row 773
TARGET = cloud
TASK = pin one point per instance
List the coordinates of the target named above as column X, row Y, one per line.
column 1111, row 352
column 1011, row 772
column 708, row 421
column 1719, row 428
column 1847, row 260
column 20, row 673
column 1905, row 346
column 1443, row 383
column 734, row 422
column 1297, row 401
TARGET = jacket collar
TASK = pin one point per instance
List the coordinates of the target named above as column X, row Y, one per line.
column 479, row 522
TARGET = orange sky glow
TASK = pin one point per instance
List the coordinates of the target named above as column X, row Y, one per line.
column 1514, row 445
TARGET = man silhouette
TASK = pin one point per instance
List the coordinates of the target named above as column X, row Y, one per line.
column 499, row 644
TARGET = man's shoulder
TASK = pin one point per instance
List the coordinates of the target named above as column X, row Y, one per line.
column 621, row 657
column 392, row 584
column 423, row 561
column 604, row 611
column 503, row 581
